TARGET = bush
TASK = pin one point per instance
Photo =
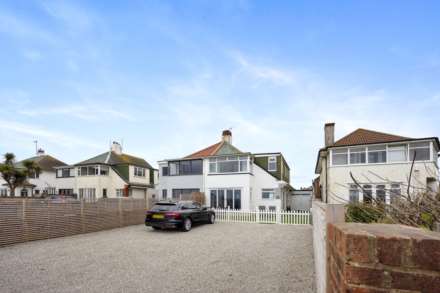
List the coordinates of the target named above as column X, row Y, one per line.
column 363, row 213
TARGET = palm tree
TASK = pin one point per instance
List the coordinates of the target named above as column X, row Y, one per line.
column 16, row 176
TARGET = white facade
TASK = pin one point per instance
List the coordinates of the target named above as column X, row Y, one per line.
column 247, row 186
column 378, row 178
column 45, row 185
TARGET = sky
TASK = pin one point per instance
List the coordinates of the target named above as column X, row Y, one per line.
column 166, row 77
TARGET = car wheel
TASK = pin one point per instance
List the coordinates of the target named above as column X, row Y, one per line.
column 211, row 219
column 156, row 228
column 187, row 224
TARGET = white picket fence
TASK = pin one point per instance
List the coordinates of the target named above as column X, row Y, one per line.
column 265, row 217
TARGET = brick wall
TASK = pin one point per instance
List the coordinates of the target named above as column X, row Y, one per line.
column 382, row 258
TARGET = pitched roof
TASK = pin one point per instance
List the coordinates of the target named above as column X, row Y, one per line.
column 365, row 136
column 220, row 148
column 112, row 158
column 45, row 162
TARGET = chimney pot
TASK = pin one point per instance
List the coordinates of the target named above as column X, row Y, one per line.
column 329, row 134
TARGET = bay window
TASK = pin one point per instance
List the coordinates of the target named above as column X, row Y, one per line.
column 93, row 170
column 340, row 156
column 357, row 156
column 377, row 154
column 419, row 151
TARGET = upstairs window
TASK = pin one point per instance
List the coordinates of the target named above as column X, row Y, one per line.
column 139, row 172
column 187, row 167
column 229, row 164
column 104, row 170
column 377, row 154
column 419, row 151
column 165, row 171
column 272, row 163
column 357, row 156
column 397, row 153
column 340, row 156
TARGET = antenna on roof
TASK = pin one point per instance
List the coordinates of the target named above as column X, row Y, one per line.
column 122, row 143
column 36, row 146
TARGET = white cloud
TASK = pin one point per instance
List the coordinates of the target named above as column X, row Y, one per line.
column 261, row 72
column 56, row 138
column 88, row 112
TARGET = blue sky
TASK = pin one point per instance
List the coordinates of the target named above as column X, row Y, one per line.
column 168, row 76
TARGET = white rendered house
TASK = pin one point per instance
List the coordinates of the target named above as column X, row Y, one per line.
column 228, row 177
column 42, row 184
column 378, row 162
column 109, row 175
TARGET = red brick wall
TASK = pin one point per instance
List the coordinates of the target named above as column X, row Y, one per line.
column 382, row 258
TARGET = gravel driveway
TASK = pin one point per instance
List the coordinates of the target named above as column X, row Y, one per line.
column 210, row 258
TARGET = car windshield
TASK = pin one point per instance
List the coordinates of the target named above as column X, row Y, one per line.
column 164, row 207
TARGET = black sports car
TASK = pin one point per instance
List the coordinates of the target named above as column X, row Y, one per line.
column 180, row 214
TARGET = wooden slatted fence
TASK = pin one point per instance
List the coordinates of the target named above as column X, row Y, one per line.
column 23, row 219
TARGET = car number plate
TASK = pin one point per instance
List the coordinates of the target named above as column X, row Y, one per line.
column 157, row 216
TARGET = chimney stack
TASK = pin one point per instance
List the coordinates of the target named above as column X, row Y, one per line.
column 116, row 148
column 329, row 134
column 227, row 136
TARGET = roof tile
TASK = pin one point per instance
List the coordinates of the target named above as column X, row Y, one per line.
column 365, row 136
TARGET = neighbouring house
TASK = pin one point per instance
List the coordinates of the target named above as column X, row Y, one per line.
column 301, row 199
column 380, row 163
column 109, row 175
column 38, row 185
column 228, row 177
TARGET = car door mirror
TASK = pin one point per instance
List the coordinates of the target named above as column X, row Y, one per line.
column 205, row 208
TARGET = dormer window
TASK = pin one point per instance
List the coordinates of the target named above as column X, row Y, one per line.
column 272, row 163
column 139, row 172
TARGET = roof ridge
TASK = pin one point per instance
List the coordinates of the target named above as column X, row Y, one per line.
column 216, row 145
column 380, row 132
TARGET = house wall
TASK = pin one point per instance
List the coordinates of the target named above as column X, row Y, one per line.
column 177, row 182
column 137, row 179
column 111, row 182
column 45, row 180
column 282, row 172
column 338, row 177
column 262, row 180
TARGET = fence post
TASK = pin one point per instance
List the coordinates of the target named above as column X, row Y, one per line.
column 257, row 215
column 23, row 219
column 121, row 220
column 228, row 211
column 278, row 216
column 82, row 215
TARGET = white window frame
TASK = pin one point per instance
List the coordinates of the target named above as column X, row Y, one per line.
column 271, row 190
column 271, row 160
column 418, row 147
column 238, row 158
column 139, row 171
column 350, row 151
